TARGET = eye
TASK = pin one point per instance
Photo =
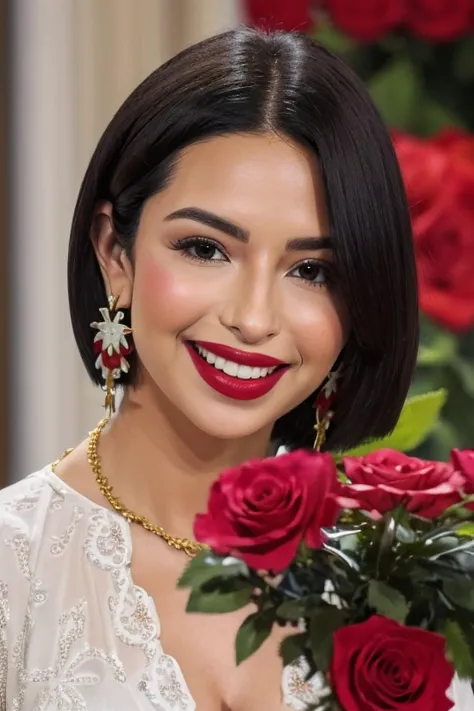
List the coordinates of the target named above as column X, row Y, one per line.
column 200, row 249
column 314, row 272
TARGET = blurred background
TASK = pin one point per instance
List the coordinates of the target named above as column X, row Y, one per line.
column 66, row 66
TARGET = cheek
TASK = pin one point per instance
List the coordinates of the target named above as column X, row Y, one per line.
column 163, row 298
column 320, row 327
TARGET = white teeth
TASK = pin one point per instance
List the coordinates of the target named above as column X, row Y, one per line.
column 220, row 363
column 230, row 368
column 244, row 372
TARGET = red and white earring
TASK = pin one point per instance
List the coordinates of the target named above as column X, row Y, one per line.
column 323, row 406
column 111, row 347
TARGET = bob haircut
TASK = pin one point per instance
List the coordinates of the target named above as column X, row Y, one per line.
column 247, row 81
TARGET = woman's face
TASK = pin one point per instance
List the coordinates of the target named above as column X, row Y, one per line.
column 236, row 311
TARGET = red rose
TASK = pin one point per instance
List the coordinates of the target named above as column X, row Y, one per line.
column 442, row 20
column 262, row 510
column 463, row 461
column 380, row 664
column 425, row 167
column 445, row 257
column 440, row 189
column 383, row 480
column 290, row 15
column 457, row 144
column 366, row 20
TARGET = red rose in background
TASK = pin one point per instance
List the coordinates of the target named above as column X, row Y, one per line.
column 385, row 479
column 445, row 255
column 425, row 170
column 380, row 664
column 366, row 20
column 262, row 510
column 439, row 179
column 442, row 20
column 463, row 461
column 290, row 15
column 457, row 144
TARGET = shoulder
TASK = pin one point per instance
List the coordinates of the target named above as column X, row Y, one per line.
column 22, row 504
column 22, row 515
column 24, row 509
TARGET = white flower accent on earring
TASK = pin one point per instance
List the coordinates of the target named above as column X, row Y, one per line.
column 111, row 343
column 331, row 384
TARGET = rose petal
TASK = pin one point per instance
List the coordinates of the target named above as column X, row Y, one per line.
column 380, row 664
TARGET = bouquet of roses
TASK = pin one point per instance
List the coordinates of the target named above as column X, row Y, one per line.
column 370, row 559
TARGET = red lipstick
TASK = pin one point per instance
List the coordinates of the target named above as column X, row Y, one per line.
column 232, row 386
column 254, row 360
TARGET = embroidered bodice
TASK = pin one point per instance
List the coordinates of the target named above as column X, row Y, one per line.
column 75, row 632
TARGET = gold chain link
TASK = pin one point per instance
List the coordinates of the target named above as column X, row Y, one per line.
column 191, row 548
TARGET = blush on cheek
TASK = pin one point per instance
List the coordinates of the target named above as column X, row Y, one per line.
column 320, row 330
column 163, row 299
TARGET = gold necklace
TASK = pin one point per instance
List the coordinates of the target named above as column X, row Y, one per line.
column 191, row 548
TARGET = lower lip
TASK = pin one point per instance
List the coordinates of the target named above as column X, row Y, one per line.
column 231, row 387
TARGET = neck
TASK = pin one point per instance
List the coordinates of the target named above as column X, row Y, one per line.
column 161, row 465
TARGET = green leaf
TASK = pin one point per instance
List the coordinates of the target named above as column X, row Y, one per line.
column 461, row 592
column 292, row 610
column 446, row 438
column 332, row 39
column 434, row 116
column 387, row 601
column 463, row 61
column 205, row 567
column 293, row 647
column 457, row 650
column 419, row 416
column 396, row 90
column 217, row 601
column 465, row 529
column 321, row 630
column 439, row 350
column 464, row 369
column 251, row 634
column 199, row 569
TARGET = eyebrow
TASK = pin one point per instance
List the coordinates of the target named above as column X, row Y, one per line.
column 210, row 220
column 230, row 228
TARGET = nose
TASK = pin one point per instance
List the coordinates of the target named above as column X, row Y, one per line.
column 251, row 309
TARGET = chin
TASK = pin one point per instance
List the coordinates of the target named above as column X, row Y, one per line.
column 230, row 426
column 226, row 420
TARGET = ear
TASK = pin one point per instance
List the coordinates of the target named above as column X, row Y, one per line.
column 114, row 263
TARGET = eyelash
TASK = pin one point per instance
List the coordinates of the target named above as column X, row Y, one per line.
column 186, row 244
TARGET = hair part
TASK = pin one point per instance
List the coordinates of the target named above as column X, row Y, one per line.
column 246, row 81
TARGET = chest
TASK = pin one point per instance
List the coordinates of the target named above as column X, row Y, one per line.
column 99, row 625
column 203, row 645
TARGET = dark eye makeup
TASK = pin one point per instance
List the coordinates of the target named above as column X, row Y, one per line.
column 201, row 249
column 314, row 272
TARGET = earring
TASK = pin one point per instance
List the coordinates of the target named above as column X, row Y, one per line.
column 111, row 347
column 323, row 404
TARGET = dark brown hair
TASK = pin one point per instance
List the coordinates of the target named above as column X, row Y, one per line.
column 246, row 81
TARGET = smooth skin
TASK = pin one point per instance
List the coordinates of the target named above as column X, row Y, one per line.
column 270, row 287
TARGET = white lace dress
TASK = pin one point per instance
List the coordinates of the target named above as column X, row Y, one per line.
column 75, row 632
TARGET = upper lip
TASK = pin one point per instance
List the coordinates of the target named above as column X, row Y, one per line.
column 255, row 360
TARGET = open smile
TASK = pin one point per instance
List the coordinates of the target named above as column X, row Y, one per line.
column 234, row 373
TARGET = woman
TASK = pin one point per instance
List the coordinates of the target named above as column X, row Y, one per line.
column 244, row 214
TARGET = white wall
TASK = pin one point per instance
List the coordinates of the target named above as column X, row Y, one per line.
column 74, row 62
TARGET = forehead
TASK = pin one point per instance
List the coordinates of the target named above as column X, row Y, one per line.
column 247, row 176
